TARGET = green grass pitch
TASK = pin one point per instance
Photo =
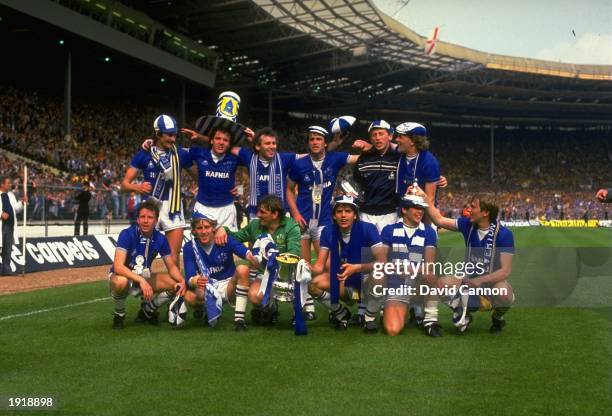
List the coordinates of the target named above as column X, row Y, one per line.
column 548, row 361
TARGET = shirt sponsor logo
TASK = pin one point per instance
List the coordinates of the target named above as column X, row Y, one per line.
column 218, row 175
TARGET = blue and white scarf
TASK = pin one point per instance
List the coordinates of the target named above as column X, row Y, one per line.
column 488, row 257
column 213, row 302
column 170, row 167
column 276, row 183
column 354, row 252
column 488, row 254
column 265, row 250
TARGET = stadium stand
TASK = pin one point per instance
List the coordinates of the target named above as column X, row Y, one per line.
column 570, row 164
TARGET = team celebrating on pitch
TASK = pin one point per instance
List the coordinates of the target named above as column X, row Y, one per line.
column 297, row 204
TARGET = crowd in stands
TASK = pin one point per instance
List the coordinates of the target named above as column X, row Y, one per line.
column 539, row 174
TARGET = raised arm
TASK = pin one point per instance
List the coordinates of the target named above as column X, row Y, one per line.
column 433, row 212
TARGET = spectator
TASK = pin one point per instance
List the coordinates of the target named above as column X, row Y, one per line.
column 82, row 214
column 9, row 207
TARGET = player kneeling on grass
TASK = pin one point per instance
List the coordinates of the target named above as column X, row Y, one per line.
column 414, row 243
column 207, row 263
column 130, row 273
column 490, row 248
column 344, row 243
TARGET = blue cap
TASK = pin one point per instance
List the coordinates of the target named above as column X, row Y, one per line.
column 410, row 128
column 341, row 124
column 380, row 124
column 165, row 124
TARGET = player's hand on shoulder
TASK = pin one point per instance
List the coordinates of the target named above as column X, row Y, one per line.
column 602, row 195
column 221, row 236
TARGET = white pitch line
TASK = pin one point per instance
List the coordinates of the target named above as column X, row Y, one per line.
column 19, row 315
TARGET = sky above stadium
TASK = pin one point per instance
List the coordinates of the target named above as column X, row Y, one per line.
column 556, row 30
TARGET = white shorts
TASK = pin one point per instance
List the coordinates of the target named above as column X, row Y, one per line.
column 225, row 215
column 164, row 223
column 133, row 287
column 380, row 221
column 313, row 231
column 222, row 286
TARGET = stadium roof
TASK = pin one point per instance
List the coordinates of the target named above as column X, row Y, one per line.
column 343, row 56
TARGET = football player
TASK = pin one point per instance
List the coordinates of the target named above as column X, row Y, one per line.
column 488, row 244
column 231, row 282
column 347, row 244
column 285, row 232
column 161, row 167
column 413, row 241
column 130, row 273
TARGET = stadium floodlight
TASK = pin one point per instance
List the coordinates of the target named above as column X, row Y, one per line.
column 61, row 41
column 107, row 59
column 162, row 79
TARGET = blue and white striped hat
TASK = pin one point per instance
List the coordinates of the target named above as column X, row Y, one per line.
column 341, row 124
column 345, row 199
column 410, row 128
column 380, row 124
column 318, row 130
column 165, row 124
